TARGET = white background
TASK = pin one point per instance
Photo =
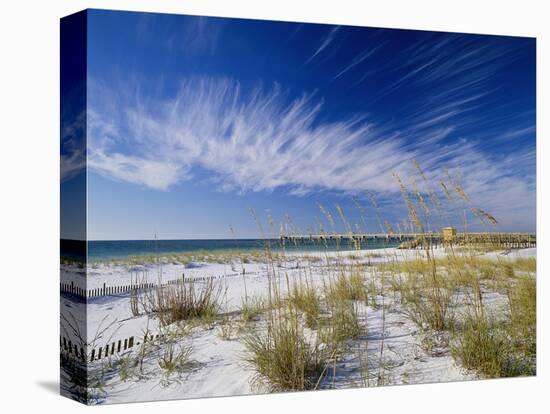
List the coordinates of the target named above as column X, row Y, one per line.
column 29, row 202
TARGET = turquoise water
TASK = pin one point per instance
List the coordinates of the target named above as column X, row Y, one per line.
column 120, row 249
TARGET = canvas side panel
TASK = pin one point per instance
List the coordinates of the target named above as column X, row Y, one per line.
column 73, row 244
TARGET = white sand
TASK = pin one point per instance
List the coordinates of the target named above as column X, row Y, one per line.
column 218, row 369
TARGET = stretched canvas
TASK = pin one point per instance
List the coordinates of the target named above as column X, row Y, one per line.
column 253, row 206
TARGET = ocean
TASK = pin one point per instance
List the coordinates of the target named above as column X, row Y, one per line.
column 119, row 249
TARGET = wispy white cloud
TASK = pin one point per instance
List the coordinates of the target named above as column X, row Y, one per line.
column 518, row 133
column 73, row 147
column 256, row 141
column 194, row 35
column 326, row 42
column 200, row 36
column 433, row 65
column 358, row 59
column 150, row 173
column 261, row 140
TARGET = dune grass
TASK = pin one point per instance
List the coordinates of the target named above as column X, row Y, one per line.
column 304, row 298
column 252, row 308
column 174, row 358
column 179, row 302
column 284, row 357
column 495, row 346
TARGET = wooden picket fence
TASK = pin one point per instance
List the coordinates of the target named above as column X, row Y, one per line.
column 73, row 289
column 112, row 349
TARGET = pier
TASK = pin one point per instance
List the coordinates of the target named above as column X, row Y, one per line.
column 447, row 237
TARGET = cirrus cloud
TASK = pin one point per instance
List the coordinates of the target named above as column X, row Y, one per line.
column 262, row 140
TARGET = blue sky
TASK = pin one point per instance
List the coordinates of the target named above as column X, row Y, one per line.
column 192, row 121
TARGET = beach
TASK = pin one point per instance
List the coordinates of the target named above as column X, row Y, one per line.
column 390, row 348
